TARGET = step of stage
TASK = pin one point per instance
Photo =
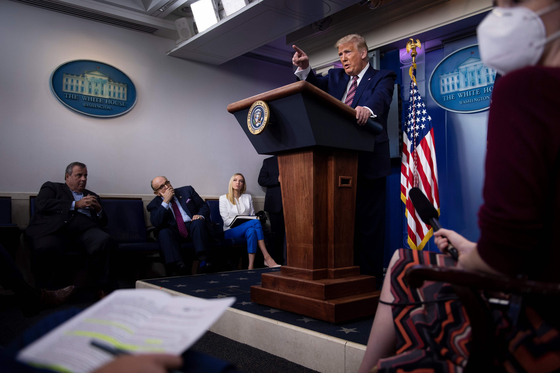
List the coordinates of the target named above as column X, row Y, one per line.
column 297, row 343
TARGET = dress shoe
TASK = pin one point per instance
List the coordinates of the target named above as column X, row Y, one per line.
column 276, row 266
column 54, row 298
column 177, row 269
column 182, row 270
column 205, row 267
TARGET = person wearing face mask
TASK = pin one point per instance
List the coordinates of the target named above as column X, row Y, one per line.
column 427, row 328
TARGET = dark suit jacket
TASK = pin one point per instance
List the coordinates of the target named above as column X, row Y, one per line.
column 163, row 218
column 53, row 210
column 268, row 177
column 376, row 92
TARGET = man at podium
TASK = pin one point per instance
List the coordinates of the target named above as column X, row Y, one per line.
column 370, row 92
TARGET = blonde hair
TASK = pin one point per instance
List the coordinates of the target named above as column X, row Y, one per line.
column 229, row 194
column 358, row 39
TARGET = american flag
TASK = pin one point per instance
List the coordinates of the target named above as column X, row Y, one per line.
column 418, row 167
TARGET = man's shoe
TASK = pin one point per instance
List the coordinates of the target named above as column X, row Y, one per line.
column 176, row 269
column 55, row 298
column 201, row 269
column 183, row 270
column 206, row 267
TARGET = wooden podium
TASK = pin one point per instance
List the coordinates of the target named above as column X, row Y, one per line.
column 316, row 139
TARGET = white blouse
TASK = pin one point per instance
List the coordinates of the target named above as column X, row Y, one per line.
column 228, row 211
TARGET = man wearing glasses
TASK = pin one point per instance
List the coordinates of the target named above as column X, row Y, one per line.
column 179, row 215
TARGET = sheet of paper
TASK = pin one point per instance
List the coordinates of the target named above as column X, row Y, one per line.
column 135, row 320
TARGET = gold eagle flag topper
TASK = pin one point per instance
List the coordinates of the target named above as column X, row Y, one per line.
column 411, row 46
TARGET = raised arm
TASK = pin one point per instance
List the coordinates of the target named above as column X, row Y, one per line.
column 300, row 59
column 158, row 213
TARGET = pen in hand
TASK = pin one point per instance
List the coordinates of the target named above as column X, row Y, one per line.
column 108, row 348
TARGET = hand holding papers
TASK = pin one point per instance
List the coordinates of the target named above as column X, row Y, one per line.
column 136, row 321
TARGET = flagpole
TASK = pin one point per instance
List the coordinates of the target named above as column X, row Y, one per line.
column 411, row 49
column 418, row 165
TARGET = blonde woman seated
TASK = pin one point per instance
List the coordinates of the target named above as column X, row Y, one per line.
column 234, row 203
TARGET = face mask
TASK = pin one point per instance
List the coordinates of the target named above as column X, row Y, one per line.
column 512, row 38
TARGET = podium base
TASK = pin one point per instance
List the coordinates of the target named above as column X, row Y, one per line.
column 331, row 300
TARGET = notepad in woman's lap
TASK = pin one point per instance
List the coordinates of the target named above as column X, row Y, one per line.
column 135, row 320
column 240, row 219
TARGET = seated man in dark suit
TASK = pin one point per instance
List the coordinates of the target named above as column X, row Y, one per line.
column 193, row 223
column 68, row 217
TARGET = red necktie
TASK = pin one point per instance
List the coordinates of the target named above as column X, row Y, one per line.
column 180, row 221
column 352, row 91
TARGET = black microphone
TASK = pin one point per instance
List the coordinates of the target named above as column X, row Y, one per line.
column 429, row 215
column 373, row 127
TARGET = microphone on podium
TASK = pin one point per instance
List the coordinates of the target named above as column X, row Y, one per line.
column 429, row 215
column 373, row 126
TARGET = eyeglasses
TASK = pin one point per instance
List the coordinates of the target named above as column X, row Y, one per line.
column 166, row 184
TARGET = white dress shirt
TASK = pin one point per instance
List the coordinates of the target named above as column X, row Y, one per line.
column 185, row 216
column 228, row 211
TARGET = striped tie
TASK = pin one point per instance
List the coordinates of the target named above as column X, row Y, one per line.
column 352, row 91
column 179, row 218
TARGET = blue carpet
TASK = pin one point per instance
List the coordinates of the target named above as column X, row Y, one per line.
column 238, row 284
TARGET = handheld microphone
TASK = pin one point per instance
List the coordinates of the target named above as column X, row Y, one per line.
column 429, row 215
column 373, row 127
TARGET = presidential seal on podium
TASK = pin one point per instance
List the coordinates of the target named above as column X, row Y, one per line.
column 258, row 117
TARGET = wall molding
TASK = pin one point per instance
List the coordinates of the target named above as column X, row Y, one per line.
column 20, row 204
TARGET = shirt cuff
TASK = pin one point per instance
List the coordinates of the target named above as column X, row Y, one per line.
column 165, row 205
column 73, row 206
column 302, row 74
column 371, row 111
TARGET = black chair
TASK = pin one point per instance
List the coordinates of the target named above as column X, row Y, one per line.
column 53, row 272
column 5, row 211
column 9, row 232
column 229, row 251
column 485, row 351
column 136, row 250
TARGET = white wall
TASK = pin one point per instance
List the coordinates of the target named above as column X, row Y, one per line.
column 179, row 128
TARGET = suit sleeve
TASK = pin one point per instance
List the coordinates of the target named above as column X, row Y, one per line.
column 158, row 214
column 321, row 82
column 382, row 95
column 102, row 220
column 201, row 206
column 266, row 178
column 224, row 211
column 47, row 203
